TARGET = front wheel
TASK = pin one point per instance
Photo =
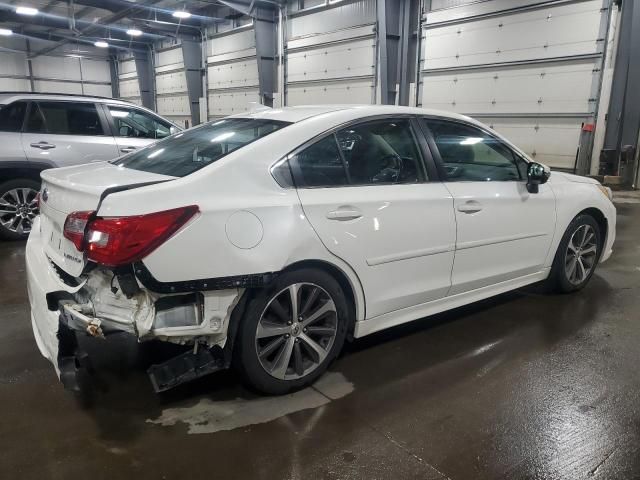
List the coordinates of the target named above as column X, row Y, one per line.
column 291, row 331
column 18, row 208
column 577, row 255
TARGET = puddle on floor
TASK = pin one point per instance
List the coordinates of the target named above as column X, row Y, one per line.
column 208, row 416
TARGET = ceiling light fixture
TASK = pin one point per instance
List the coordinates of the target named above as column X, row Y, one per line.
column 134, row 32
column 101, row 44
column 181, row 14
column 6, row 32
column 26, row 11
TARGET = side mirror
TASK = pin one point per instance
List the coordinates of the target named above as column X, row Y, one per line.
column 537, row 174
column 173, row 130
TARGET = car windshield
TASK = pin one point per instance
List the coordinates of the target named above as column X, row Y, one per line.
column 191, row 150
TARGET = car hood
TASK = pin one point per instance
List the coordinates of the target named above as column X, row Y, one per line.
column 569, row 177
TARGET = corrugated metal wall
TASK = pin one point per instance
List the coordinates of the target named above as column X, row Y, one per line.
column 232, row 72
column 331, row 54
column 172, row 99
column 68, row 69
column 532, row 72
column 128, row 80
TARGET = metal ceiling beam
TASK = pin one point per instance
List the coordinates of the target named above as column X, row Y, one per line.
column 101, row 24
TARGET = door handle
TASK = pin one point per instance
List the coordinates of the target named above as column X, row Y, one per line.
column 127, row 149
column 344, row 214
column 43, row 145
column 470, row 207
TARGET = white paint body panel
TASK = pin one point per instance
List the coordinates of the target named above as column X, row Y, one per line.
column 399, row 258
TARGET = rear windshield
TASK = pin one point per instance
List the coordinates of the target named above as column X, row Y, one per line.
column 191, row 150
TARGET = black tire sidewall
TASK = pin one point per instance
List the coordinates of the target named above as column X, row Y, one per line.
column 5, row 233
column 245, row 357
column 559, row 277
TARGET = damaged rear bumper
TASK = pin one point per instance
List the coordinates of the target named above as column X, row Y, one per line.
column 95, row 305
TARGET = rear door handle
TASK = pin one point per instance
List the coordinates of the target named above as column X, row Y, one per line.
column 470, row 207
column 344, row 213
column 127, row 149
column 43, row 145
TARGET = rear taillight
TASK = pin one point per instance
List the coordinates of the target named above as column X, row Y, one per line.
column 115, row 241
column 75, row 226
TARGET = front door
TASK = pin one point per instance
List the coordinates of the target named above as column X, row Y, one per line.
column 503, row 231
column 62, row 134
column 135, row 129
column 368, row 196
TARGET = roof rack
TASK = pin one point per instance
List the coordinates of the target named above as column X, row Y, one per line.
column 2, row 92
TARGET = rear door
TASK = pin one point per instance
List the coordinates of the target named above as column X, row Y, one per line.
column 503, row 231
column 66, row 133
column 11, row 120
column 368, row 195
column 134, row 128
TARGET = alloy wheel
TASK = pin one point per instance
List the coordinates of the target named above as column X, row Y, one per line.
column 581, row 254
column 18, row 208
column 296, row 331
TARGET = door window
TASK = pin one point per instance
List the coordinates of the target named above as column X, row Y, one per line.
column 320, row 165
column 470, row 154
column 12, row 116
column 64, row 118
column 373, row 153
column 380, row 152
column 132, row 123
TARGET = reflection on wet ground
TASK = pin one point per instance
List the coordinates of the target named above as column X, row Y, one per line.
column 526, row 385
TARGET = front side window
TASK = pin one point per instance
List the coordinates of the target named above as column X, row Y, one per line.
column 133, row 123
column 194, row 149
column 469, row 154
column 12, row 116
column 320, row 165
column 64, row 118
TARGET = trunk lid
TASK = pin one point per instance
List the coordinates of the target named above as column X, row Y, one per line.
column 80, row 188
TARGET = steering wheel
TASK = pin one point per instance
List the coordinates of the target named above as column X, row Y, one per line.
column 392, row 172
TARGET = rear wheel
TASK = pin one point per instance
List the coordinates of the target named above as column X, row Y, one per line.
column 18, row 208
column 291, row 331
column 577, row 255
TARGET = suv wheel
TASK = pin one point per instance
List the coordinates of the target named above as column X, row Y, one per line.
column 18, row 208
column 291, row 331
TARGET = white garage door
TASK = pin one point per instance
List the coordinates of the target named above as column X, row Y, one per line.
column 528, row 69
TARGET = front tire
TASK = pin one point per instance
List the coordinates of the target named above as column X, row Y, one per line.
column 577, row 255
column 18, row 208
column 291, row 331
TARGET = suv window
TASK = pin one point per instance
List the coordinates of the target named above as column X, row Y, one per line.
column 64, row 118
column 12, row 116
column 383, row 151
column 130, row 122
column 470, row 154
column 194, row 149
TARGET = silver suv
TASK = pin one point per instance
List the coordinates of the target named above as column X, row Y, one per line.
column 40, row 131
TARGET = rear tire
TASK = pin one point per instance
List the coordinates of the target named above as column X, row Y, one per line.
column 577, row 255
column 18, row 208
column 284, row 346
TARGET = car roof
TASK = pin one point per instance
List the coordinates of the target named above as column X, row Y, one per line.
column 8, row 97
column 303, row 112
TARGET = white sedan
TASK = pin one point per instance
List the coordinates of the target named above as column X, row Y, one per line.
column 264, row 240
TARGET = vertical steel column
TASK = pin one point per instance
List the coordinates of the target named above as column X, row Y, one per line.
column 30, row 67
column 265, row 28
column 144, row 70
column 115, row 80
column 395, row 42
column 192, row 58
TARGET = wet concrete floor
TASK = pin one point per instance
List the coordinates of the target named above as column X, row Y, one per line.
column 527, row 385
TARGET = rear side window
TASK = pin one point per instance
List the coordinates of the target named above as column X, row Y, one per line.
column 133, row 123
column 12, row 116
column 191, row 150
column 64, row 118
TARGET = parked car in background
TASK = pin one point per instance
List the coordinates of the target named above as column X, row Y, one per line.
column 265, row 239
column 41, row 131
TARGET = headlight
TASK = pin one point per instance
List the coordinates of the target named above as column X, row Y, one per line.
column 606, row 191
